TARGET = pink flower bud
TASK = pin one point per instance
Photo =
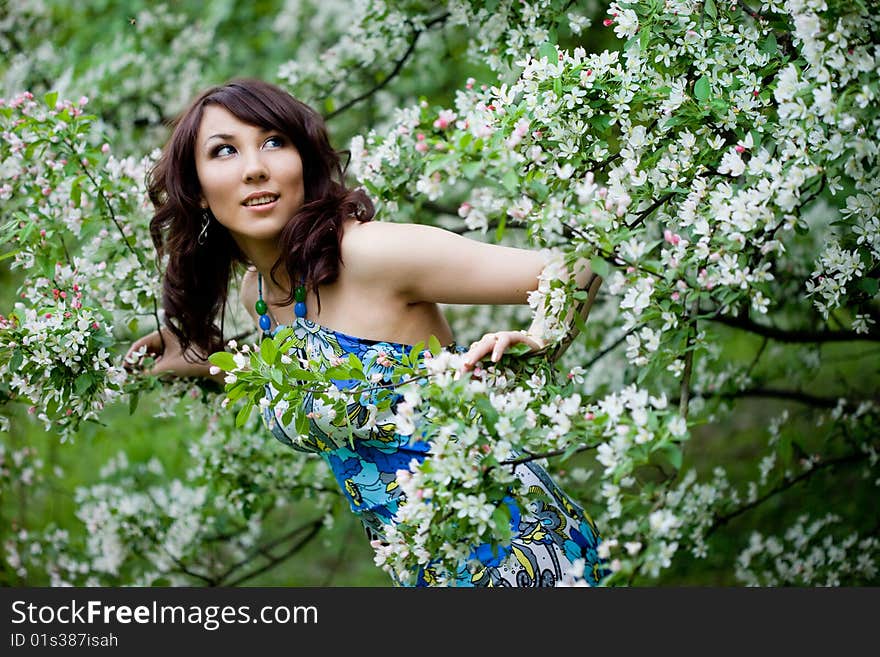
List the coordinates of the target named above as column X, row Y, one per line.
column 739, row 148
column 422, row 147
column 83, row 100
column 608, row 22
column 105, row 148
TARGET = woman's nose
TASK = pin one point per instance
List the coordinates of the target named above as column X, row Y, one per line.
column 254, row 169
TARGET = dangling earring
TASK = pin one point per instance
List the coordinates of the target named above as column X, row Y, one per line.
column 206, row 216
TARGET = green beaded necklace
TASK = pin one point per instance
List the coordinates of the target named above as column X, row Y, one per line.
column 299, row 295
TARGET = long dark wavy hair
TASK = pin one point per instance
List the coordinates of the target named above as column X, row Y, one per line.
column 196, row 282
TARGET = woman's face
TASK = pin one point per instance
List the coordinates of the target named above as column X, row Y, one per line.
column 251, row 178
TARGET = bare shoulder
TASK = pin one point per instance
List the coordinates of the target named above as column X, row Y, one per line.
column 432, row 264
column 365, row 247
column 376, row 244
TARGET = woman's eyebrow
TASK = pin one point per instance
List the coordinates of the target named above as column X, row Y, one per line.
column 219, row 136
column 227, row 137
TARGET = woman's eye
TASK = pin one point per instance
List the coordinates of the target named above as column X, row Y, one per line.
column 275, row 142
column 222, row 151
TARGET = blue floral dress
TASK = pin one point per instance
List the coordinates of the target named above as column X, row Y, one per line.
column 548, row 539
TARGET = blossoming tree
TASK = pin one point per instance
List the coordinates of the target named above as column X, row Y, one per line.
column 717, row 164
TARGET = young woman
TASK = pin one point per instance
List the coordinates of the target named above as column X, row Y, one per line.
column 249, row 180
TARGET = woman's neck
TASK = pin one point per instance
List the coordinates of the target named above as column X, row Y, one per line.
column 263, row 257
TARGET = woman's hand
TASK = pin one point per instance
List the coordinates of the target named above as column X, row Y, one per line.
column 495, row 344
column 168, row 361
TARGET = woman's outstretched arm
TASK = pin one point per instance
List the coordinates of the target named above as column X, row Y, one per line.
column 168, row 356
column 430, row 264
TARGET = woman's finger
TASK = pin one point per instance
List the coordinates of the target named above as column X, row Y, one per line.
column 502, row 342
column 479, row 349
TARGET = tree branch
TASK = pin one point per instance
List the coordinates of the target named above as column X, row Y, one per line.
column 785, row 484
column 688, row 360
column 791, row 395
column 543, row 455
column 792, row 335
column 397, row 68
column 311, row 530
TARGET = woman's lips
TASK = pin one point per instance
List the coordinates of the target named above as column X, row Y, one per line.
column 263, row 207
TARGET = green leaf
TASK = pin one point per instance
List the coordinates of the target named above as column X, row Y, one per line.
column 305, row 375
column 501, row 519
column 83, row 382
column 510, row 180
column 499, row 232
column 471, row 170
column 244, row 413
column 236, row 392
column 434, row 345
column 644, row 38
column 223, row 360
column 302, row 424
column 869, row 285
column 490, row 415
column 702, row 88
column 281, row 336
column 673, row 453
column 769, row 46
column 600, row 266
column 548, row 50
column 16, row 360
column 133, row 402
column 519, row 349
column 709, row 7
column 340, row 373
column 416, row 350
column 51, row 98
column 268, row 351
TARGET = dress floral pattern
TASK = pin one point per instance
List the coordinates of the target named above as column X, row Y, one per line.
column 550, row 541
